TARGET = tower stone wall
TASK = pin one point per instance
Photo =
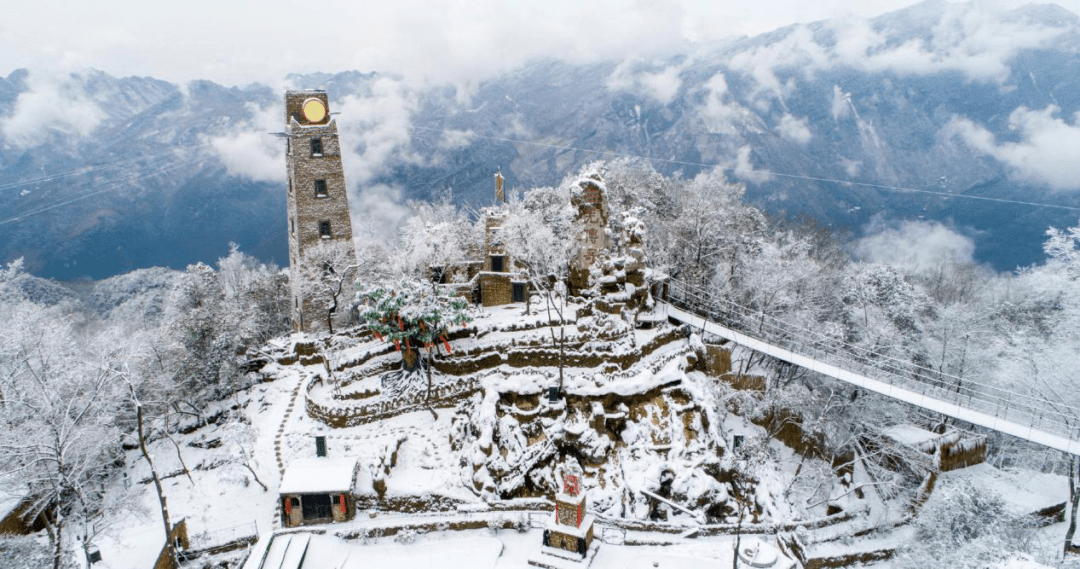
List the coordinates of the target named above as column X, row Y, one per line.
column 318, row 207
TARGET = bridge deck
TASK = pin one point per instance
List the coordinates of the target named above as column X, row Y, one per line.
column 982, row 419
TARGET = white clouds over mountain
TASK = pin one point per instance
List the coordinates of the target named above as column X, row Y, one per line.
column 1047, row 150
column 794, row 129
column 51, row 103
column 249, row 151
column 661, row 85
column 920, row 244
column 977, row 40
column 744, row 167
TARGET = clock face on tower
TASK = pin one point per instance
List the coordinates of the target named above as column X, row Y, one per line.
column 314, row 110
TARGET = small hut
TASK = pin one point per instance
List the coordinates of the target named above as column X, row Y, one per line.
column 318, row 491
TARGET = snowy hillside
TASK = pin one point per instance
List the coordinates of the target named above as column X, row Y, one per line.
column 174, row 399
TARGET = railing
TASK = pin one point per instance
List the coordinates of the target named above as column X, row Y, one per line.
column 204, row 540
column 1032, row 411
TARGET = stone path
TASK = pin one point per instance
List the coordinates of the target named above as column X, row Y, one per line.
column 285, row 421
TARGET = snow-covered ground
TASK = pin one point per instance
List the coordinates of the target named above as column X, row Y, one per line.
column 442, row 460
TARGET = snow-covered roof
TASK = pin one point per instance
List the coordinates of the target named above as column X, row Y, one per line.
column 318, row 475
column 568, row 499
column 1024, row 492
column 909, row 435
column 288, row 551
column 579, row 531
column 10, row 498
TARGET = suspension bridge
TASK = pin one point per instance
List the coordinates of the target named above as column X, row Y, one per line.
column 1023, row 415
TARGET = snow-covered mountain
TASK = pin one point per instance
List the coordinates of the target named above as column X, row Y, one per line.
column 939, row 97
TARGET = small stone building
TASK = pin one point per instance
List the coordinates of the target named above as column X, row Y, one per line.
column 494, row 280
column 318, row 491
column 952, row 450
column 570, row 526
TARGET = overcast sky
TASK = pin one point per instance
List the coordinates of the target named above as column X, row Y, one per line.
column 237, row 42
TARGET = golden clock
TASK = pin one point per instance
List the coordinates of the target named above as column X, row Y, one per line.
column 314, row 110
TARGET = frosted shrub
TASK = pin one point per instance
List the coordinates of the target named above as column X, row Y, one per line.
column 405, row 536
column 964, row 526
column 25, row 552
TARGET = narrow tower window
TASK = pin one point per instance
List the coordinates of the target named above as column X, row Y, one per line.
column 497, row 263
column 320, row 188
column 324, row 229
column 316, row 147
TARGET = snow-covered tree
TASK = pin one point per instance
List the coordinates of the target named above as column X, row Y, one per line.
column 57, row 406
column 436, row 236
column 1063, row 249
column 414, row 317
column 255, row 298
column 327, row 274
column 536, row 233
column 239, row 438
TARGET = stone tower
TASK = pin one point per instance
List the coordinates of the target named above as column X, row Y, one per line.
column 318, row 206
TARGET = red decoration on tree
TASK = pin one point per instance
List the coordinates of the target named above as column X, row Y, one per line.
column 397, row 344
column 447, row 344
column 377, row 335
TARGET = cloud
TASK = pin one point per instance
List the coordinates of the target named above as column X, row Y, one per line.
column 795, row 52
column 714, row 108
column 841, row 103
column 922, row 245
column 438, row 41
column 744, row 168
column 660, row 85
column 976, row 39
column 375, row 130
column 851, row 167
column 1047, row 150
column 794, row 129
column 378, row 212
column 52, row 103
column 249, row 151
column 722, row 113
column 457, row 139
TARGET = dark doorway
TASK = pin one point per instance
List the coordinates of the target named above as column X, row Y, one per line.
column 317, row 507
column 497, row 263
column 518, row 293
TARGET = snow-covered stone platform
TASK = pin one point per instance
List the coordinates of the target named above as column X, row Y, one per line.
column 555, row 558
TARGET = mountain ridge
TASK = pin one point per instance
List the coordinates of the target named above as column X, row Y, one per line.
column 879, row 102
